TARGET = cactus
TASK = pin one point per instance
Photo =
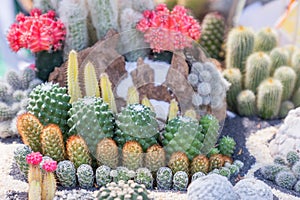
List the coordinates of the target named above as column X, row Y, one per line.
column 106, row 91
column 52, row 142
column 288, row 78
column 297, row 187
column 77, row 151
column 246, row 103
column 34, row 175
column 265, row 40
column 269, row 97
column 164, row 178
column 199, row 164
column 85, row 176
column 122, row 173
column 234, row 170
column 285, row 179
column 155, row 158
column 295, row 64
column 285, row 108
column 74, row 16
column 27, row 76
column 225, row 171
column 180, row 181
column 138, row 123
column 257, row 69
column 240, row 44
column 213, row 151
column 104, row 15
column 91, row 118
column 279, row 160
column 211, row 128
column 291, row 49
column 66, row 173
column 292, row 157
column 13, row 79
column 197, row 175
column 183, row 134
column 238, row 163
column 122, row 190
column 44, row 5
column 49, row 103
column 269, row 172
column 227, row 146
column 296, row 98
column 20, row 154
column 216, row 162
column 90, row 81
column 234, row 77
column 179, row 162
column 146, row 102
column 296, row 169
column 279, row 57
column 3, row 91
column 6, row 112
column 173, row 109
column 144, row 176
column 35, row 82
column 107, row 153
column 35, row 190
column 49, row 181
column 30, row 128
column 213, row 31
column 132, row 96
column 103, row 175
column 132, row 155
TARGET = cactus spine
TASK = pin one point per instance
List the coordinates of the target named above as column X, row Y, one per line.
column 246, row 103
column 164, row 178
column 257, row 70
column 90, row 81
column 173, row 109
column 107, row 93
column 72, row 77
column 279, row 57
column 269, row 98
column 20, row 157
column 265, row 40
column 85, row 176
column 179, row 162
column 199, row 164
column 287, row 77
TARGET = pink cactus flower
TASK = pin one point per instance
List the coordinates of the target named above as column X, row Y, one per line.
column 169, row 30
column 34, row 158
column 50, row 166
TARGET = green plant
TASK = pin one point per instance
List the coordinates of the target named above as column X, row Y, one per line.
column 213, row 151
column 225, row 171
column 107, row 153
column 296, row 98
column 199, row 164
column 296, row 169
column 211, row 128
column 279, row 57
column 85, row 176
column 285, row 179
column 197, row 175
column 155, row 158
column 13, row 79
column 285, row 108
column 265, row 40
column 179, row 162
column 122, row 173
column 164, row 178
column 257, row 69
column 279, row 160
column 269, row 97
column 107, row 93
column 227, row 146
column 132, row 155
column 91, row 81
column 246, row 104
column 6, row 112
column 240, row 44
column 292, row 157
column 297, row 186
column 269, row 172
column 180, row 181
column 238, row 163
column 295, row 64
column 216, row 162
column 20, row 154
column 66, row 173
column 144, row 176
column 103, row 175
column 288, row 78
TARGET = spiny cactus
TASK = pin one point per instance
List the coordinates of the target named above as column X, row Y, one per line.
column 225, row 171
column 122, row 173
column 20, row 157
column 296, row 98
column 107, row 153
column 155, row 158
column 291, row 49
column 227, row 146
column 44, row 5
column 77, row 151
column 269, row 97
column 26, row 77
column 49, row 181
column 213, row 151
column 239, row 46
column 297, row 186
column 179, row 162
column 269, row 172
column 246, row 104
column 180, row 181
column 91, row 81
column 107, row 93
column 216, row 162
column 295, row 64
column 103, row 175
column 257, row 70
column 288, row 78
column 66, row 173
column 132, row 155
column 285, row 108
column 296, row 169
column 265, row 40
column 144, row 176
column 286, row 179
column 279, row 57
column 292, row 157
column 197, row 175
column 13, row 79
column 85, row 176
column 199, row 164
column 91, row 118
column 211, row 128
column 132, row 96
column 6, row 112
column 279, row 160
column 164, row 177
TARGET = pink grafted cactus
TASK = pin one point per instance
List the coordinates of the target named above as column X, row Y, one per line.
column 34, row 158
column 50, row 166
column 36, row 32
column 169, row 30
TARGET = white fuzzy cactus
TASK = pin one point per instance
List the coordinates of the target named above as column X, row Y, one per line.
column 44, row 5
column 138, row 5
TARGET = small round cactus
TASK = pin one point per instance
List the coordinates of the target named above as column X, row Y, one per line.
column 279, row 161
column 224, row 171
column 199, row 164
column 238, row 163
column 132, row 155
column 269, row 172
column 180, row 181
column 107, row 153
column 213, row 151
column 155, row 158
column 164, row 177
column 227, row 146
column 246, row 103
column 179, row 162
column 216, row 162
column 85, row 176
column 197, row 175
column 121, row 173
column 66, row 173
column 144, row 176
column 292, row 157
column 286, row 179
column 103, row 175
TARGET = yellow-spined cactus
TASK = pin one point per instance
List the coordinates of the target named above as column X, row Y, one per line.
column 90, row 81
column 132, row 96
column 173, row 109
column 72, row 77
column 107, row 93
column 146, row 102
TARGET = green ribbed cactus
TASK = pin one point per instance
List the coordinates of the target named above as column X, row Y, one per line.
column 240, row 44
column 257, row 70
column 50, row 103
column 164, row 178
column 285, row 108
column 287, row 76
column 132, row 155
column 103, row 175
column 211, row 128
column 265, row 40
column 66, row 173
column 296, row 98
column 74, row 16
column 179, row 162
column 295, row 64
column 138, row 123
column 183, row 134
column 212, row 36
column 269, row 97
column 234, row 77
column 13, row 79
column 246, row 103
column 144, row 176
column 227, row 146
column 20, row 157
column 85, row 176
column 180, row 181
column 279, row 57
column 107, row 153
column 155, row 157
column 91, row 118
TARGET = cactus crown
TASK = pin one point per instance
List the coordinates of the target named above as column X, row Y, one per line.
column 50, row 166
column 34, row 158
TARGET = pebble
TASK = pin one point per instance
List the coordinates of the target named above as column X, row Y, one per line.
column 74, row 195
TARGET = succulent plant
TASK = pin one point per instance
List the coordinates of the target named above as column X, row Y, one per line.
column 103, row 175
column 296, row 98
column 227, row 146
column 179, row 162
column 238, row 163
column 211, row 128
column 49, row 181
column 91, row 84
column 6, row 112
column 122, row 173
column 297, row 186
column 295, row 64
column 85, row 176
column 296, row 169
column 144, row 176
column 285, row 179
column 132, row 155
column 265, row 40
column 292, row 157
column 13, row 79
column 233, row 169
column 279, row 160
column 107, row 153
column 137, row 122
column 197, row 175
column 288, row 78
column 20, row 157
column 164, row 178
column 216, row 162
column 279, row 57
column 269, row 172
column 213, row 151
column 155, row 158
column 66, row 173
column 246, row 104
column 285, row 108
column 180, row 181
column 199, row 164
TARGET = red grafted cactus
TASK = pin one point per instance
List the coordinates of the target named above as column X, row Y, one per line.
column 50, row 166
column 34, row 158
column 169, row 30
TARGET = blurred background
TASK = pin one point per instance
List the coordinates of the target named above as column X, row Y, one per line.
column 283, row 15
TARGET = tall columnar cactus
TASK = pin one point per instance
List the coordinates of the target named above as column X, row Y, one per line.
column 180, row 181
column 164, row 178
column 91, row 81
column 287, row 76
column 173, row 109
column 44, row 5
column 20, row 157
column 291, row 49
column 265, row 40
column 234, row 77
column 104, row 15
column 52, row 142
column 211, row 128
column 66, row 173
column 30, row 128
column 91, row 118
column 257, row 70
column 155, row 158
column 27, row 75
column 85, row 176
column 279, row 57
column 132, row 155
column 199, row 164
column 213, row 30
column 103, row 175
column 144, row 176
column 50, row 103
column 49, row 181
column 179, row 162
column 295, row 64
column 107, row 153
column 269, row 97
column 74, row 16
column 239, row 46
column 138, row 123
column 107, row 93
column 132, row 96
column 77, row 151
column 246, row 104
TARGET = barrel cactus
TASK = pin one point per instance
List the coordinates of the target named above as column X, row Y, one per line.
column 199, row 164
column 164, row 178
column 155, row 157
column 288, row 78
column 246, row 103
column 103, row 175
column 132, row 155
column 180, row 181
column 279, row 57
column 227, row 146
column 66, row 173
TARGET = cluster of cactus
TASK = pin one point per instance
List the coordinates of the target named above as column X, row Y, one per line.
column 14, row 92
column 285, row 172
column 263, row 76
